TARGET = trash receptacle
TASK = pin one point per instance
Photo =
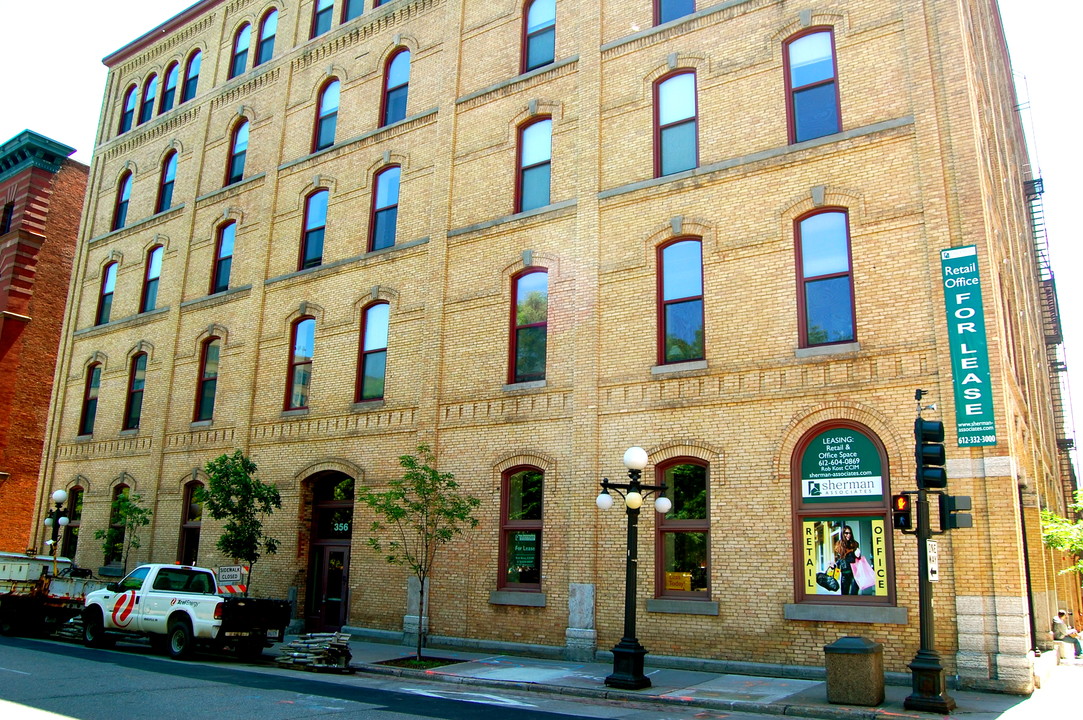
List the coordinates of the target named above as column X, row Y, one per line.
column 855, row 671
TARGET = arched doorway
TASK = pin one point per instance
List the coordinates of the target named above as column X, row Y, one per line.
column 328, row 602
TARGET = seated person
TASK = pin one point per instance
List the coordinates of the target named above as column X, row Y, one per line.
column 1063, row 633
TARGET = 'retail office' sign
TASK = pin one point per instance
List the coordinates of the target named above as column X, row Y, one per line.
column 974, row 421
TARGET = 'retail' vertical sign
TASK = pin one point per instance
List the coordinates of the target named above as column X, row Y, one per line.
column 974, row 421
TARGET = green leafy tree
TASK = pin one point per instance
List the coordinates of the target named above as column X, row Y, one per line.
column 126, row 516
column 236, row 495
column 423, row 510
column 1065, row 535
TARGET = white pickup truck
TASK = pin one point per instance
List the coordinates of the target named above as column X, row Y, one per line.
column 178, row 607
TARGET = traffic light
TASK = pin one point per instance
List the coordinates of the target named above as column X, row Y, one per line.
column 901, row 517
column 929, row 451
column 951, row 515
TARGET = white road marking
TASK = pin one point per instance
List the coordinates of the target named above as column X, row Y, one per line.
column 470, row 697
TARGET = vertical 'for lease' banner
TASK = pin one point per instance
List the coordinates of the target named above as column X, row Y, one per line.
column 974, row 421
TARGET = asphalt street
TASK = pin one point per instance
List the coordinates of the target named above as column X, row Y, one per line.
column 38, row 677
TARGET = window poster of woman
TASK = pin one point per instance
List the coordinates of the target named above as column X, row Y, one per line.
column 844, row 556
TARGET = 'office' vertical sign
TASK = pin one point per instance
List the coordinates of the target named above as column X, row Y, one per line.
column 974, row 422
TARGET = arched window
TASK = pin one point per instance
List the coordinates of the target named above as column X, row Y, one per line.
column 385, row 208
column 238, row 149
column 540, row 33
column 268, row 28
column 396, row 87
column 683, row 534
column 666, row 10
column 150, row 279
column 321, row 17
column 90, row 399
column 124, row 194
column 675, row 125
column 326, row 116
column 191, row 522
column 70, row 543
column 169, row 88
column 299, row 379
column 372, row 367
column 521, row 514
column 680, row 302
column 191, row 76
column 813, row 103
column 239, row 59
column 127, row 115
column 529, row 325
column 314, row 229
column 825, row 296
column 105, row 296
column 165, row 184
column 137, row 379
column 535, row 165
column 150, row 94
column 208, row 378
column 842, row 514
column 352, row 9
column 223, row 257
column 114, row 537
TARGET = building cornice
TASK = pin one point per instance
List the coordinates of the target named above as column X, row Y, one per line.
column 30, row 149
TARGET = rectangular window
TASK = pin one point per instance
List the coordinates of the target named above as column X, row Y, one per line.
column 530, row 316
column 684, row 532
column 666, row 10
column 315, row 226
column 676, row 130
column 223, row 263
column 810, row 76
column 151, row 279
column 373, row 353
column 208, row 379
column 321, row 17
column 90, row 399
column 300, row 371
column 825, row 299
column 136, row 382
column 385, row 209
column 70, row 543
column 535, row 164
column 681, row 306
column 521, row 528
column 5, row 222
column 352, row 9
column 191, row 523
column 105, row 298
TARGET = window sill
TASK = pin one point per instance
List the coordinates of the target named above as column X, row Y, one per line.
column 124, row 322
column 517, row 597
column 299, row 412
column 368, row 405
column 200, row 424
column 544, row 210
column 532, row 385
column 216, row 297
column 838, row 612
column 690, row 366
column 682, row 607
column 839, row 349
column 131, row 432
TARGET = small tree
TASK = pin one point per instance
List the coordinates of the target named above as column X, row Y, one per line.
column 126, row 516
column 1065, row 535
column 235, row 494
column 424, row 510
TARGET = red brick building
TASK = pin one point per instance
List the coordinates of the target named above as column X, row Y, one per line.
column 41, row 197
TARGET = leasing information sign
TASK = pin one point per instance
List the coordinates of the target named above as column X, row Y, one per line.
column 974, row 422
column 841, row 465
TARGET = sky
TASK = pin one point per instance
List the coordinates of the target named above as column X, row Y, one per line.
column 60, row 96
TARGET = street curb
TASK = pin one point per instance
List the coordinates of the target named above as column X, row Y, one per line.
column 788, row 710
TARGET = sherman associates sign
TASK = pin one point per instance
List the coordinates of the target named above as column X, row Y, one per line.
column 974, row 422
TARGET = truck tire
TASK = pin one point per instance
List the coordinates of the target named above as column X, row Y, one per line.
column 180, row 639
column 94, row 635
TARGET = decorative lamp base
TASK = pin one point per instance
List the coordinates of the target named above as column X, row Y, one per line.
column 628, row 666
column 929, row 688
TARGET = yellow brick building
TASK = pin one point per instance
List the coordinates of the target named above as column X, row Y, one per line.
column 534, row 234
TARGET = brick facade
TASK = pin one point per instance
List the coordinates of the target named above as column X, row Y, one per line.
column 929, row 156
column 41, row 192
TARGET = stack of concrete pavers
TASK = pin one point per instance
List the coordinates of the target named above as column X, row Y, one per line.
column 318, row 652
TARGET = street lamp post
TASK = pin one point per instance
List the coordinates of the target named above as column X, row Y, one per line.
column 56, row 519
column 628, row 653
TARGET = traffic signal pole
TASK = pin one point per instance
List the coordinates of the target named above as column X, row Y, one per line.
column 928, row 684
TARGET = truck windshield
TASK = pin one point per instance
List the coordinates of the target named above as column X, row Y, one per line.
column 182, row 580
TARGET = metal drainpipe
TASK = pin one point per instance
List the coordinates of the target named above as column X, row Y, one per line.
column 1026, row 568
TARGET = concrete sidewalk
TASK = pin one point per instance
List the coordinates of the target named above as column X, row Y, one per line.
column 734, row 693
